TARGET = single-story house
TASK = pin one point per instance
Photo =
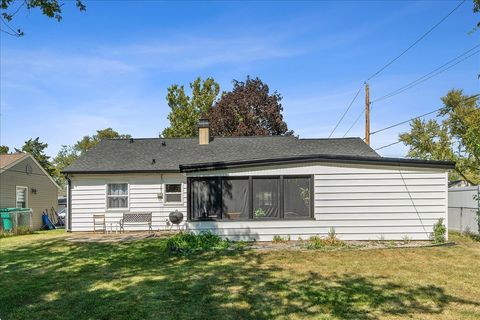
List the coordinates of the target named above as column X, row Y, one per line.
column 258, row 187
column 25, row 184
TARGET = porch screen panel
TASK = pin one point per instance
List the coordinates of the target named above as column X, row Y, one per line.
column 235, row 199
column 206, row 198
column 266, row 198
column 296, row 199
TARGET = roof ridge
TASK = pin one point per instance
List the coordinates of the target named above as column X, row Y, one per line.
column 343, row 138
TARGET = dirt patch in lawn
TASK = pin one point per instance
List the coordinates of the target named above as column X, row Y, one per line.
column 345, row 245
column 89, row 237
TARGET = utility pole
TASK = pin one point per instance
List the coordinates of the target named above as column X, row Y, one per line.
column 367, row 114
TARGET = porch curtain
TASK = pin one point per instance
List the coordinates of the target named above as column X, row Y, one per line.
column 266, row 198
column 235, row 199
column 206, row 198
column 296, row 200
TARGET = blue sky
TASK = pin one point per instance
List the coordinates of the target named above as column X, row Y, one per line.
column 111, row 65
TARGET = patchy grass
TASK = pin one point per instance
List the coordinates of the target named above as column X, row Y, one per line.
column 44, row 276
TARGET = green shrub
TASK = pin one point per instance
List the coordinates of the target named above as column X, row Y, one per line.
column 330, row 242
column 439, row 232
column 187, row 242
column 22, row 230
column 279, row 239
column 17, row 232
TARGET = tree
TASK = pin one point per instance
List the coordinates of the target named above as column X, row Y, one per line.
column 49, row 8
column 37, row 149
column 88, row 142
column 249, row 109
column 65, row 157
column 186, row 111
column 68, row 154
column 456, row 137
column 476, row 9
column 4, row 149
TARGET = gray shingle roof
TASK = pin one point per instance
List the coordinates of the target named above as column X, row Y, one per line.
column 121, row 155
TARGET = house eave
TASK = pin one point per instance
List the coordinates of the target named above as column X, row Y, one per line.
column 69, row 172
column 434, row 164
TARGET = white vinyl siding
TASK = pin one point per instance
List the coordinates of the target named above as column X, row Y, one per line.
column 89, row 197
column 361, row 202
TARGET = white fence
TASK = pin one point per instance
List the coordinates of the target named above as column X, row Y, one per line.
column 462, row 209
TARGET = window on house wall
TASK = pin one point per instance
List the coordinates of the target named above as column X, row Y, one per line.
column 296, row 201
column 173, row 193
column 266, row 198
column 235, row 199
column 117, row 195
column 246, row 198
column 21, row 197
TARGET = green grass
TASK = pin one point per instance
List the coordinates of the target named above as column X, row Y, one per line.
column 44, row 276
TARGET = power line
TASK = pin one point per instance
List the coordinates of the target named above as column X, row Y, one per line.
column 415, row 42
column 420, row 116
column 406, row 121
column 388, row 145
column 423, row 115
column 390, row 63
column 348, row 108
column 430, row 75
column 417, row 82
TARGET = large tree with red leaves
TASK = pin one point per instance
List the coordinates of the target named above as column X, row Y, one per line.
column 248, row 110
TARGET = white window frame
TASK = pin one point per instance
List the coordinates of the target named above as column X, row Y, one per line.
column 26, row 195
column 107, row 196
column 165, row 194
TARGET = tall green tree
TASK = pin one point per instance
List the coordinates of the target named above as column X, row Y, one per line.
column 49, row 8
column 187, row 110
column 88, row 142
column 456, row 137
column 68, row 154
column 249, row 109
column 476, row 9
column 4, row 149
column 37, row 149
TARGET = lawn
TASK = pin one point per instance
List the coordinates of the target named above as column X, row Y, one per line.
column 44, row 276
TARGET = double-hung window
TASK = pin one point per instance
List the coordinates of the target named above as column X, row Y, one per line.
column 21, row 197
column 173, row 193
column 117, row 196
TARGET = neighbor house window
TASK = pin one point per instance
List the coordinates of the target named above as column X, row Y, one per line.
column 21, row 197
column 173, row 193
column 117, row 195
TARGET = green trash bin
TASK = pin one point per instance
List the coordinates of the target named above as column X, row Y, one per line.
column 7, row 221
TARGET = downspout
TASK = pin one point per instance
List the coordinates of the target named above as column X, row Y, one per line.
column 69, row 204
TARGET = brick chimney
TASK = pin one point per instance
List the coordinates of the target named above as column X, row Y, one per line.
column 203, row 131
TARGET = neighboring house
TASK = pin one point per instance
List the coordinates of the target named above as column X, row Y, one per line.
column 25, row 184
column 258, row 187
column 459, row 184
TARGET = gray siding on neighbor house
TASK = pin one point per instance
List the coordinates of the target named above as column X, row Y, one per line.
column 362, row 202
column 47, row 192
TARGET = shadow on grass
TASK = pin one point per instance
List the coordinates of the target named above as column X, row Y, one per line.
column 57, row 279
